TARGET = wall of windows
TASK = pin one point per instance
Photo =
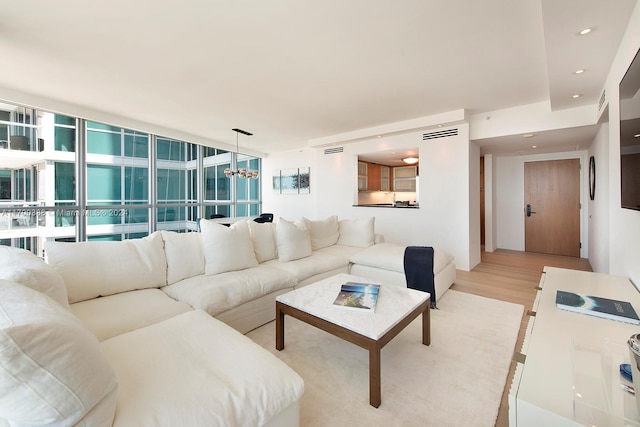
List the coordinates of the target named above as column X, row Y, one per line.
column 97, row 181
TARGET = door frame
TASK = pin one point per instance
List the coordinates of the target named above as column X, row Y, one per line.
column 583, row 156
column 513, row 208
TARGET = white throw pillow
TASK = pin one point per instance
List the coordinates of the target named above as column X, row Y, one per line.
column 226, row 248
column 52, row 369
column 93, row 269
column 324, row 232
column 357, row 232
column 293, row 239
column 184, row 255
column 23, row 267
column 264, row 240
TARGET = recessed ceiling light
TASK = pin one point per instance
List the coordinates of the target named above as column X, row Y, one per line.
column 577, row 95
column 637, row 135
column 580, row 71
column 584, row 31
column 528, row 135
column 534, row 146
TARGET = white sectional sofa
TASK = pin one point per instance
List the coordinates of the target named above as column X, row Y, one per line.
column 245, row 266
column 153, row 362
column 150, row 331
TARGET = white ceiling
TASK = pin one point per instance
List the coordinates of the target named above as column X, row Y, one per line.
column 293, row 70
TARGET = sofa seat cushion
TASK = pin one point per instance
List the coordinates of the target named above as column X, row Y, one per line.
column 221, row 292
column 318, row 262
column 21, row 266
column 193, row 370
column 116, row 314
column 93, row 269
column 390, row 256
column 52, row 369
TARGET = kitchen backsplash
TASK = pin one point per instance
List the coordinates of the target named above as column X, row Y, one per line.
column 373, row 197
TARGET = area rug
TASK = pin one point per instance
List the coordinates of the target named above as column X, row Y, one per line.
column 456, row 381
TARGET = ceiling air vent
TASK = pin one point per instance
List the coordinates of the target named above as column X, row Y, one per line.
column 603, row 98
column 440, row 134
column 333, row 150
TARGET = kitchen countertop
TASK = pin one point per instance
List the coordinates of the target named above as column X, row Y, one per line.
column 387, row 205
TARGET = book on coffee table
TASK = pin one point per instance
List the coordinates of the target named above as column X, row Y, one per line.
column 597, row 306
column 358, row 296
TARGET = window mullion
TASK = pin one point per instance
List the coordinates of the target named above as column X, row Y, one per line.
column 81, row 179
column 153, row 177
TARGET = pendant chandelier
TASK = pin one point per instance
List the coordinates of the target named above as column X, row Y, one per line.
column 242, row 173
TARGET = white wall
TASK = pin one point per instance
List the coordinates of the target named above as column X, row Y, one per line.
column 509, row 198
column 446, row 217
column 624, row 224
column 489, row 204
column 291, row 206
column 599, row 207
column 474, row 204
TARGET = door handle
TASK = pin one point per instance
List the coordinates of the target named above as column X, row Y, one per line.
column 529, row 212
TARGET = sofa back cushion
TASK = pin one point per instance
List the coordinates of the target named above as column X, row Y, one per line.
column 226, row 248
column 357, row 232
column 23, row 267
column 93, row 269
column 52, row 369
column 293, row 240
column 324, row 232
column 184, row 255
column 263, row 239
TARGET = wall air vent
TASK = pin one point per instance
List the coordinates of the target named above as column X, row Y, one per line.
column 333, row 150
column 440, row 134
column 603, row 98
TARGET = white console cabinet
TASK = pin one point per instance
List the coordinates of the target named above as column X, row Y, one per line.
column 569, row 371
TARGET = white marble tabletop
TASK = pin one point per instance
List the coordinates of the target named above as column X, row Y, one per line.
column 394, row 303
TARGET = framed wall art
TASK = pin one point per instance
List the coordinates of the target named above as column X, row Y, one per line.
column 292, row 181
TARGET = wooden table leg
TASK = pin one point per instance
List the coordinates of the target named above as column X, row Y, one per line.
column 279, row 327
column 375, row 396
column 426, row 326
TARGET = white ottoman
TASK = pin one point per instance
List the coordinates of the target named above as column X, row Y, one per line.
column 384, row 262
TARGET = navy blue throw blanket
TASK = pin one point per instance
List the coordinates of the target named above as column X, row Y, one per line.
column 418, row 270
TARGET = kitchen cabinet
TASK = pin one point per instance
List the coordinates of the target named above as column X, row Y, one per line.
column 373, row 177
column 404, row 178
column 362, row 176
column 384, row 178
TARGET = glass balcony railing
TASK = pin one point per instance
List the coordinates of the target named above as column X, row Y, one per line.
column 21, row 215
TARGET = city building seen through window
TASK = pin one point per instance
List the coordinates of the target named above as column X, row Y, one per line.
column 70, row 179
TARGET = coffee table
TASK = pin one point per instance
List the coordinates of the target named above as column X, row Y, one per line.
column 396, row 308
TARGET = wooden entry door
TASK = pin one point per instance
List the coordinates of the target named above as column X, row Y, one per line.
column 552, row 207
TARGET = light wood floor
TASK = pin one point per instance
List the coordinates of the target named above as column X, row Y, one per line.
column 512, row 276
